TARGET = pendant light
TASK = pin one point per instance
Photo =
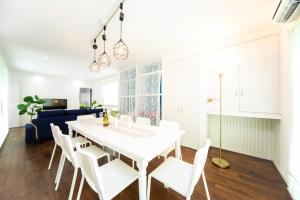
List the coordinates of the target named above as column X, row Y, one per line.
column 104, row 60
column 120, row 49
column 94, row 66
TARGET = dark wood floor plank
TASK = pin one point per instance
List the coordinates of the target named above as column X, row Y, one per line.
column 24, row 175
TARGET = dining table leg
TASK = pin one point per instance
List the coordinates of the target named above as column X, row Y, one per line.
column 178, row 149
column 142, row 165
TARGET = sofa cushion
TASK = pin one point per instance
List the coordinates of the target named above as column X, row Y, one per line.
column 97, row 111
column 76, row 112
column 52, row 113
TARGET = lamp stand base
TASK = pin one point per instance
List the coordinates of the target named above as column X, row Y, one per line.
column 219, row 162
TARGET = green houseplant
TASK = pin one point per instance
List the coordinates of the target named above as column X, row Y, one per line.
column 31, row 106
column 94, row 105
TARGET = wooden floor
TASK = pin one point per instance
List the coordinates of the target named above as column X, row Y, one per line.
column 24, row 175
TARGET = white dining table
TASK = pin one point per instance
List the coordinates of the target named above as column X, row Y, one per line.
column 139, row 142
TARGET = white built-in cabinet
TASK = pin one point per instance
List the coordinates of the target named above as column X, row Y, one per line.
column 184, row 92
column 250, row 78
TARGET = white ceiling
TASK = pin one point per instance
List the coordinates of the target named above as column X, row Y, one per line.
column 54, row 36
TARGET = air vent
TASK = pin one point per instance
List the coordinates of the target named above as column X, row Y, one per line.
column 286, row 11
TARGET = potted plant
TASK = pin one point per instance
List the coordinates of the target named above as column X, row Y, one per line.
column 31, row 106
column 94, row 105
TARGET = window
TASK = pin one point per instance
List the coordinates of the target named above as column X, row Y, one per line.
column 110, row 93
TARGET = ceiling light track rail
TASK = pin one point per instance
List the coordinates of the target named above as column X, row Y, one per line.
column 110, row 18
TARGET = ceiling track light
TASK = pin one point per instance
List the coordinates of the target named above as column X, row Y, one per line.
column 120, row 50
column 94, row 66
column 104, row 60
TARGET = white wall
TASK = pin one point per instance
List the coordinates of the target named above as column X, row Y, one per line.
column 284, row 139
column 48, row 87
column 3, row 101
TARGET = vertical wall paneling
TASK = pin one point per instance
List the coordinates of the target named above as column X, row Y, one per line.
column 251, row 136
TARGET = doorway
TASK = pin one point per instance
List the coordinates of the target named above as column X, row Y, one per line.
column 85, row 96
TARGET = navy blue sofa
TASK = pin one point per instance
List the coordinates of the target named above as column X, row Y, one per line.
column 57, row 117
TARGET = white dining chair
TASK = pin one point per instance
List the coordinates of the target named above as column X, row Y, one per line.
column 125, row 120
column 55, row 130
column 170, row 125
column 143, row 121
column 107, row 180
column 68, row 151
column 181, row 176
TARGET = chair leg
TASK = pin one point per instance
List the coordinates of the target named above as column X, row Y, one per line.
column 165, row 157
column 59, row 167
column 132, row 164
column 188, row 198
column 205, row 186
column 149, row 187
column 59, row 173
column 80, row 187
column 73, row 183
column 51, row 159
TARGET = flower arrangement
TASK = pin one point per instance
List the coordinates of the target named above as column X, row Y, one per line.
column 114, row 111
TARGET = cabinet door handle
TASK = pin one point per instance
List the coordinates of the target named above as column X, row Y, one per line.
column 236, row 92
column 242, row 92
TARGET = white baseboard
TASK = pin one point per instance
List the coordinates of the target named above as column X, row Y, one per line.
column 293, row 188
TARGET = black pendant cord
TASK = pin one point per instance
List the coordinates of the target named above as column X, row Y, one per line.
column 121, row 20
column 95, row 48
column 104, row 38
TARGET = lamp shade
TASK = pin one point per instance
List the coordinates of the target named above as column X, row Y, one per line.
column 121, row 50
column 104, row 60
column 94, row 67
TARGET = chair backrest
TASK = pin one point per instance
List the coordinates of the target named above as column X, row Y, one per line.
column 85, row 117
column 125, row 120
column 88, row 165
column 55, row 131
column 68, row 149
column 169, row 124
column 198, row 166
column 143, row 121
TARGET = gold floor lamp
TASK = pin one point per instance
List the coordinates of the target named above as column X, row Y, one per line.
column 219, row 161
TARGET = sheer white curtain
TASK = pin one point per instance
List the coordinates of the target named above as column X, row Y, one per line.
column 140, row 92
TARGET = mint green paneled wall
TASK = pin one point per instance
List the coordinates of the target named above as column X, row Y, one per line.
column 250, row 136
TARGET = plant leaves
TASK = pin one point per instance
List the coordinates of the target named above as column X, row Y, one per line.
column 21, row 112
column 38, row 110
column 22, row 107
column 36, row 97
column 28, row 99
column 41, row 101
column 31, row 113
